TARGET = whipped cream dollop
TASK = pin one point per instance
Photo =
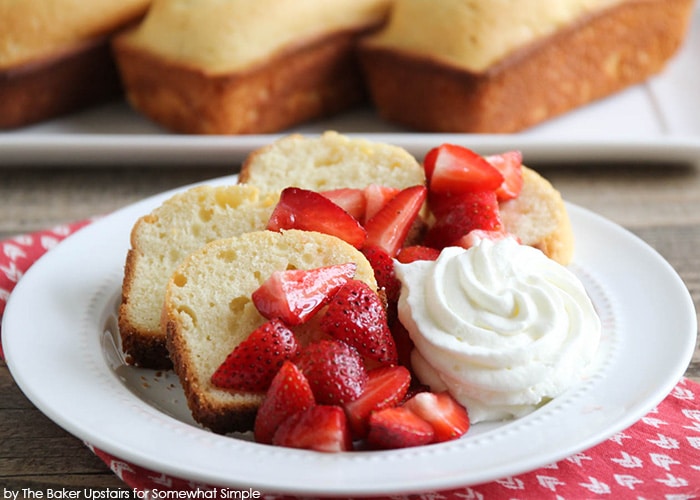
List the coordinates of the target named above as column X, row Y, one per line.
column 500, row 326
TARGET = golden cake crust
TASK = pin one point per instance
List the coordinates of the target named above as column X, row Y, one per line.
column 57, row 60
column 600, row 54
column 246, row 67
column 318, row 79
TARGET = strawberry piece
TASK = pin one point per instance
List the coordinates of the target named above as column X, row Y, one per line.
column 311, row 211
column 417, row 252
column 349, row 199
column 295, row 295
column 474, row 236
column 404, row 344
column 376, row 197
column 254, row 362
column 456, row 169
column 386, row 387
column 383, row 266
column 390, row 226
column 398, row 427
column 289, row 393
column 335, row 371
column 448, row 418
column 320, row 428
column 510, row 164
column 476, row 210
column 357, row 317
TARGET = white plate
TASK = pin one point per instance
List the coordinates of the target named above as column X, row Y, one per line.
column 658, row 120
column 59, row 338
column 59, row 330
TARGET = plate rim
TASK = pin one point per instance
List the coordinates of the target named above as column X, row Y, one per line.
column 17, row 305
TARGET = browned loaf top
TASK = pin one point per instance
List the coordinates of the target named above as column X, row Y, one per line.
column 468, row 66
column 245, row 67
column 56, row 58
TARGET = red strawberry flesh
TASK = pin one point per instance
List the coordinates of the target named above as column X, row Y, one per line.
column 311, row 211
column 295, row 295
column 335, row 371
column 390, row 226
column 253, row 363
column 386, row 387
column 289, row 393
column 320, row 428
column 356, row 316
column 398, row 427
column 453, row 168
column 449, row 419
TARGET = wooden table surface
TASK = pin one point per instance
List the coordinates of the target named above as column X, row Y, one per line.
column 659, row 203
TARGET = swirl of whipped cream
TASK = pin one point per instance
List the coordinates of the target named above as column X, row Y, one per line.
column 501, row 326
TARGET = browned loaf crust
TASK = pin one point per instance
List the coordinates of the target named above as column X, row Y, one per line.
column 58, row 61
column 596, row 57
column 208, row 311
column 81, row 77
column 313, row 80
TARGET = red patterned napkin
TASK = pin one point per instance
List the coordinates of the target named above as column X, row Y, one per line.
column 658, row 457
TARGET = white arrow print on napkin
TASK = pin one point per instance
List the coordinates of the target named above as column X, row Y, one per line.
column 692, row 414
column 512, row 483
column 694, row 441
column 673, row 482
column 13, row 252
column 665, row 442
column 628, row 461
column 549, row 482
column 596, row 486
column 627, row 481
column 617, row 438
column 663, row 461
column 654, row 422
column 12, row 272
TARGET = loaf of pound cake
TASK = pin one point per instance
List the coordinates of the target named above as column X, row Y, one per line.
column 55, row 57
column 245, row 67
column 502, row 66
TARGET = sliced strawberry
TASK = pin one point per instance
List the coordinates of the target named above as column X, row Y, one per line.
column 254, row 362
column 376, row 197
column 510, row 164
column 448, row 418
column 295, row 295
column 335, row 371
column 390, row 226
column 357, row 317
column 404, row 344
column 474, row 236
column 476, row 210
column 289, row 393
column 319, row 428
column 349, row 199
column 452, row 168
column 383, row 266
column 311, row 211
column 417, row 252
column 398, row 427
column 386, row 387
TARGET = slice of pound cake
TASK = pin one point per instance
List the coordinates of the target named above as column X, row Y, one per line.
column 208, row 311
column 330, row 161
column 159, row 243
